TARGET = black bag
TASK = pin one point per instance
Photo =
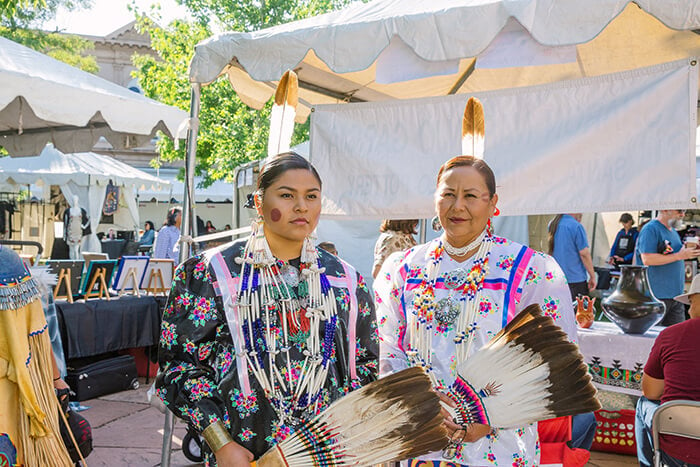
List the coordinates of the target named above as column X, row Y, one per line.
column 82, row 432
column 102, row 377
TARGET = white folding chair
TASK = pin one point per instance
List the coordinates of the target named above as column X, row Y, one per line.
column 677, row 418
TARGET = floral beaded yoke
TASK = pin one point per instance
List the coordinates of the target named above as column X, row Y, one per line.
column 258, row 383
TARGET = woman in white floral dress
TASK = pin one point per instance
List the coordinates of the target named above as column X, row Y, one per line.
column 425, row 295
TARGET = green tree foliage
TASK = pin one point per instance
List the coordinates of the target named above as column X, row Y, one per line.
column 230, row 132
column 21, row 20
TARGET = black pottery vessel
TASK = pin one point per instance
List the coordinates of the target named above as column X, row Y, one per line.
column 632, row 305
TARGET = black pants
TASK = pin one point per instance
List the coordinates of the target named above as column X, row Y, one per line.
column 675, row 312
column 578, row 288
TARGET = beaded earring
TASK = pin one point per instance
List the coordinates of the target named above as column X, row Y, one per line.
column 261, row 250
column 435, row 224
column 489, row 224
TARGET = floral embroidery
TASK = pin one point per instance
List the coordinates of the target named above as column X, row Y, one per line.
column 246, row 434
column 550, row 307
column 487, row 307
column 244, row 405
column 205, row 350
column 518, row 461
column 189, row 346
column 198, row 388
column 201, row 273
column 533, row 277
column 168, row 335
column 364, row 309
column 202, row 312
column 549, row 275
column 225, row 360
column 279, row 433
column 505, row 262
column 193, row 414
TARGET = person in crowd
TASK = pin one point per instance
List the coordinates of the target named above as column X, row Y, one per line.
column 329, row 247
column 223, row 388
column 29, row 410
column 227, row 227
column 168, row 241
column 149, row 234
column 396, row 235
column 672, row 372
column 210, row 227
column 568, row 245
column 622, row 251
column 465, row 279
column 660, row 248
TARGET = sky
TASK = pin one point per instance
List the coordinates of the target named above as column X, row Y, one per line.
column 106, row 16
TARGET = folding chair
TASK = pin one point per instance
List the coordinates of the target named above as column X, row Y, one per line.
column 677, row 418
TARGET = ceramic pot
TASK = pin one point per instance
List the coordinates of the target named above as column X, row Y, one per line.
column 584, row 311
column 632, row 305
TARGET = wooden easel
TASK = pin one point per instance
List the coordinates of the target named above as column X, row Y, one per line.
column 64, row 278
column 102, row 290
column 156, row 278
column 131, row 275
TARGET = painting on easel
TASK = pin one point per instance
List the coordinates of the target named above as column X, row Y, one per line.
column 159, row 276
column 97, row 278
column 130, row 274
column 68, row 273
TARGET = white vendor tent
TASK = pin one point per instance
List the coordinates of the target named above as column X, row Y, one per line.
column 85, row 175
column 44, row 100
column 385, row 51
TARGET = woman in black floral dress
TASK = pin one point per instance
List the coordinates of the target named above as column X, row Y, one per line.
column 263, row 333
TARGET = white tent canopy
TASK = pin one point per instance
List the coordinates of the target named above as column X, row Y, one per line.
column 406, row 49
column 84, row 175
column 217, row 192
column 398, row 49
column 43, row 100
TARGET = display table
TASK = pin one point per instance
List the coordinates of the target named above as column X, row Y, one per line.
column 616, row 360
column 97, row 326
column 113, row 248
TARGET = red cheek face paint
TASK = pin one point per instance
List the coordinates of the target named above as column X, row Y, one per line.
column 275, row 215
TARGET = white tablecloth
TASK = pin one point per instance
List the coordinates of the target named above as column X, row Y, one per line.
column 616, row 360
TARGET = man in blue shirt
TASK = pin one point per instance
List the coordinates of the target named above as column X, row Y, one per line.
column 568, row 245
column 660, row 248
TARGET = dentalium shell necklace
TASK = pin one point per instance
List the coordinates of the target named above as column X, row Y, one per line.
column 428, row 313
column 272, row 315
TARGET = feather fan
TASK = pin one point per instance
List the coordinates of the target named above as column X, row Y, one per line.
column 473, row 129
column 394, row 418
column 527, row 372
column 282, row 116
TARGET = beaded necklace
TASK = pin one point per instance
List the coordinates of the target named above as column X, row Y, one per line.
column 429, row 314
column 279, row 309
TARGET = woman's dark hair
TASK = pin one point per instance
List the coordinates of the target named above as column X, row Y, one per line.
column 551, row 231
column 172, row 215
column 626, row 217
column 274, row 169
column 471, row 161
column 150, row 224
column 407, row 226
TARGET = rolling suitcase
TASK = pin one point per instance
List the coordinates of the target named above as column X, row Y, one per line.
column 102, row 377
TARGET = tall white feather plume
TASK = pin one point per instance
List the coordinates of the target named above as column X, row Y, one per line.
column 526, row 373
column 44, row 278
column 284, row 110
column 473, row 129
column 397, row 417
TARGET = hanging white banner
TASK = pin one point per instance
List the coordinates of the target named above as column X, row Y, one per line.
column 617, row 142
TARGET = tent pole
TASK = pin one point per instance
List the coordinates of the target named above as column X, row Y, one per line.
column 187, row 225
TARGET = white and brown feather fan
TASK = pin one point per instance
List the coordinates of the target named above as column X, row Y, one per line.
column 284, row 109
column 394, row 418
column 473, row 129
column 528, row 372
